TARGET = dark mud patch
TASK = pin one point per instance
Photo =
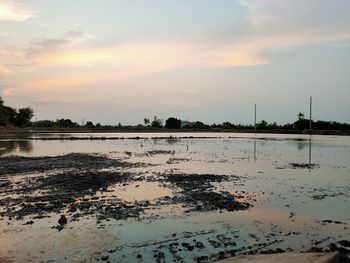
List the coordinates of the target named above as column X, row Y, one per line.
column 196, row 193
column 298, row 166
column 17, row 164
column 38, row 186
column 303, row 165
column 329, row 192
column 79, row 185
column 59, row 192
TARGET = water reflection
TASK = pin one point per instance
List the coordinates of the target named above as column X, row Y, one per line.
column 255, row 149
column 310, row 149
column 7, row 147
column 300, row 145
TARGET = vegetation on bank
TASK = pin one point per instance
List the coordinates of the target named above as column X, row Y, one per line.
column 22, row 118
column 11, row 116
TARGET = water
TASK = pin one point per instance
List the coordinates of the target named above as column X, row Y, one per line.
column 299, row 186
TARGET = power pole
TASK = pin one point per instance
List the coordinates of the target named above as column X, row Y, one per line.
column 255, row 117
column 310, row 114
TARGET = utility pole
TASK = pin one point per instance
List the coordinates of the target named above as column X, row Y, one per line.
column 310, row 114
column 255, row 117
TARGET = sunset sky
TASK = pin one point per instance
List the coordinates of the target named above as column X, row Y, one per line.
column 113, row 61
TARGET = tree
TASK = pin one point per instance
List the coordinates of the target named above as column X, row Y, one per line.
column 173, row 123
column 7, row 114
column 199, row 125
column 89, row 124
column 157, row 123
column 301, row 116
column 227, row 125
column 24, row 116
column 146, row 121
column 66, row 123
column 262, row 125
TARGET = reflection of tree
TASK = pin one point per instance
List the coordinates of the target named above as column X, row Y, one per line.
column 25, row 146
column 172, row 141
column 6, row 147
column 301, row 145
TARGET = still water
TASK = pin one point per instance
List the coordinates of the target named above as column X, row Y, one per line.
column 298, row 186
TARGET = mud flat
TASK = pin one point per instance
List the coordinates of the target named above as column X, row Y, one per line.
column 173, row 200
column 287, row 258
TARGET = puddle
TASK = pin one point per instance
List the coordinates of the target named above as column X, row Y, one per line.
column 139, row 191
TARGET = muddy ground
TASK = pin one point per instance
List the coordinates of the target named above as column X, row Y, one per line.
column 70, row 183
column 71, row 188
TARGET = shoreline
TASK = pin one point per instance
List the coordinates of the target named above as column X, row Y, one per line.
column 26, row 131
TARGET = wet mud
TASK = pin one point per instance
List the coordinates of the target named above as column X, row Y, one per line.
column 69, row 184
column 172, row 200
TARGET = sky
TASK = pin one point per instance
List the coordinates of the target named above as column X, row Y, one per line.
column 112, row 61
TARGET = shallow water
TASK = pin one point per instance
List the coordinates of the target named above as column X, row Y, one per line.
column 299, row 186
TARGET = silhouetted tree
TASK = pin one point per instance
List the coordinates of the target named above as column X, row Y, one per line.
column 301, row 116
column 173, row 123
column 67, row 123
column 7, row 114
column 45, row 123
column 301, row 123
column 199, row 125
column 262, row 125
column 227, row 125
column 157, row 123
column 24, row 116
column 146, row 121
column 89, row 124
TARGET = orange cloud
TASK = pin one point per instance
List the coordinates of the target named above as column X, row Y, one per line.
column 131, row 60
column 134, row 59
column 5, row 71
column 8, row 92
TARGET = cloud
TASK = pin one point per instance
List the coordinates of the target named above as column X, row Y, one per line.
column 10, row 11
column 273, row 25
column 270, row 17
column 77, row 35
column 155, row 56
column 8, row 91
column 5, row 71
column 51, row 45
column 191, row 91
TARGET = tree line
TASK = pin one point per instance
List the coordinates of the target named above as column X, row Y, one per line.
column 22, row 118
column 177, row 124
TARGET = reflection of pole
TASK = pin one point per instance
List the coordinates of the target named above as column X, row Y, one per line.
column 310, row 114
column 310, row 154
column 255, row 117
column 254, row 149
